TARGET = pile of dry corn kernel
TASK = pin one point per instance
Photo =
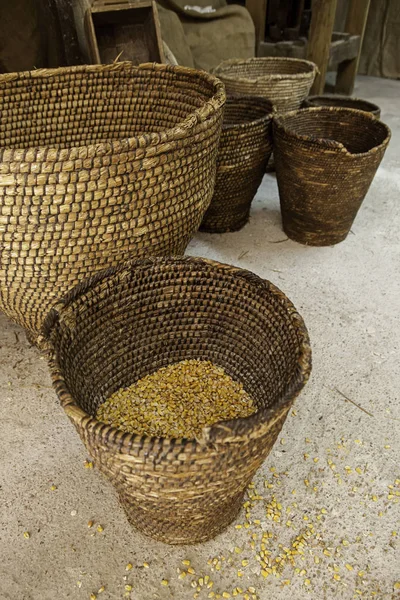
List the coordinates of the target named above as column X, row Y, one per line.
column 177, row 401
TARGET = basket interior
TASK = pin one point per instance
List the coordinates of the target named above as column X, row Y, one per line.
column 344, row 102
column 240, row 111
column 76, row 108
column 130, row 325
column 262, row 67
column 357, row 131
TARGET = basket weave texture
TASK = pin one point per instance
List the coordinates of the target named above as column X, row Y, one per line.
column 326, row 159
column 284, row 81
column 342, row 102
column 243, row 154
column 99, row 164
column 127, row 322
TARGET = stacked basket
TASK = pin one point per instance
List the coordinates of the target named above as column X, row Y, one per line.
column 326, row 159
column 243, row 154
column 99, row 164
column 338, row 101
column 178, row 491
column 283, row 81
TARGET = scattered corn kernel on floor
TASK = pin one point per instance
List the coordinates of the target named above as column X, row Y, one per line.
column 323, row 515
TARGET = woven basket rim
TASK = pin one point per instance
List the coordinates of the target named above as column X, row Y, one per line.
column 220, row 69
column 237, row 99
column 341, row 97
column 279, row 122
column 181, row 131
column 223, row 432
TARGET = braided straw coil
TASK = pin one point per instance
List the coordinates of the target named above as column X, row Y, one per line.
column 98, row 164
column 284, row 81
column 243, row 154
column 326, row 159
column 128, row 322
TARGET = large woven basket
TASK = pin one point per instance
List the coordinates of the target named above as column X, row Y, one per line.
column 244, row 151
column 98, row 164
column 283, row 81
column 127, row 322
column 326, row 159
column 342, row 102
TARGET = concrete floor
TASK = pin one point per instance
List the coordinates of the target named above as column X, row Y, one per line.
column 335, row 467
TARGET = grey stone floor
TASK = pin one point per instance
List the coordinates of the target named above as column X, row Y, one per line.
column 335, row 471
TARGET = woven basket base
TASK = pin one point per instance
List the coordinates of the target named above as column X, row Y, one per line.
column 235, row 225
column 313, row 238
column 172, row 533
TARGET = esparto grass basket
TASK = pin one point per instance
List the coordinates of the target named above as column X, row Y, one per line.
column 98, row 164
column 244, row 150
column 342, row 102
column 326, row 159
column 284, row 81
column 128, row 322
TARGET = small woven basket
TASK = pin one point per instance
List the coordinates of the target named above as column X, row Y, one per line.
column 342, row 102
column 326, row 159
column 127, row 322
column 98, row 164
column 283, row 81
column 243, row 154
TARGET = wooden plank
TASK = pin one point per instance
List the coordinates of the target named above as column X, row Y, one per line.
column 118, row 5
column 355, row 24
column 343, row 50
column 258, row 11
column 93, row 49
column 319, row 39
column 157, row 29
column 342, row 47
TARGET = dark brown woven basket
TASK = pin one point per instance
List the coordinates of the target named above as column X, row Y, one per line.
column 342, row 102
column 243, row 154
column 283, row 81
column 128, row 322
column 99, row 164
column 326, row 159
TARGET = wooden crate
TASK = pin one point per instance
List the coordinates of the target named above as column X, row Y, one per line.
column 124, row 30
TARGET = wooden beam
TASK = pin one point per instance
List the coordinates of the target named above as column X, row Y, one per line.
column 355, row 24
column 319, row 39
column 258, row 11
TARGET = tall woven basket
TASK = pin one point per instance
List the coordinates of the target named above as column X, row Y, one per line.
column 98, row 164
column 326, row 159
column 283, row 81
column 342, row 102
column 127, row 322
column 244, row 151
